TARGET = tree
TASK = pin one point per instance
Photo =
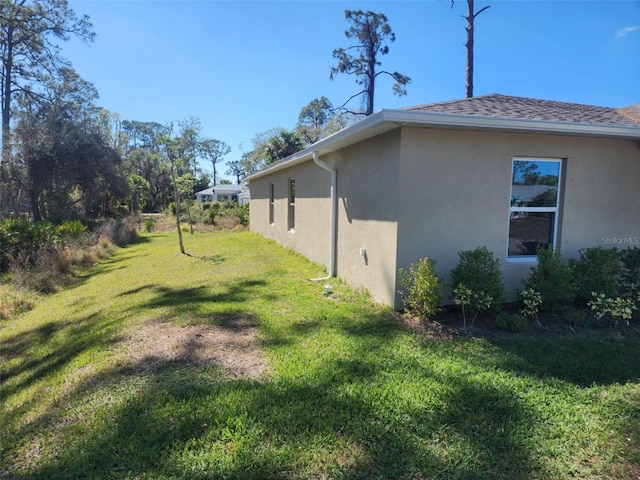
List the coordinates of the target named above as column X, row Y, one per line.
column 282, row 145
column 68, row 167
column 235, row 169
column 372, row 33
column 213, row 150
column 29, row 55
column 470, row 17
column 143, row 156
column 269, row 147
column 318, row 119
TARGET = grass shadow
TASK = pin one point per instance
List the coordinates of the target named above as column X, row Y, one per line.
column 590, row 358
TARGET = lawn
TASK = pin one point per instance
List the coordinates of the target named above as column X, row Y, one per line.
column 230, row 363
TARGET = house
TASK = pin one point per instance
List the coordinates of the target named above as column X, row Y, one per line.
column 221, row 193
column 508, row 173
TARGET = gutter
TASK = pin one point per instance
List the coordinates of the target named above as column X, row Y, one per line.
column 333, row 222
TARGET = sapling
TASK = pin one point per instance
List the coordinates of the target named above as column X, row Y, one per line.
column 476, row 301
column 532, row 301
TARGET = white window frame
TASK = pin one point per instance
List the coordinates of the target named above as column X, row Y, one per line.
column 272, row 202
column 555, row 210
column 291, row 200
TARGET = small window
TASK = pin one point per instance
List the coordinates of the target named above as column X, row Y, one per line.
column 272, row 203
column 292, row 204
column 535, row 194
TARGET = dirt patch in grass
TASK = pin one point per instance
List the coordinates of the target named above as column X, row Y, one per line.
column 233, row 345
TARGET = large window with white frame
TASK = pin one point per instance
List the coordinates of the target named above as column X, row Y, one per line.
column 292, row 204
column 272, row 203
column 533, row 213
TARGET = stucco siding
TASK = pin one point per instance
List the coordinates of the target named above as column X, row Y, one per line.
column 367, row 213
column 310, row 236
column 455, row 187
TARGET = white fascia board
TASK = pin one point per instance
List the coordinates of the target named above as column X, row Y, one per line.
column 386, row 120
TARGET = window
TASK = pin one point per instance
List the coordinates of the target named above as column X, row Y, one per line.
column 292, row 203
column 272, row 202
column 535, row 194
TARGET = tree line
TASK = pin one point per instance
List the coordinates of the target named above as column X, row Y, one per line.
column 65, row 157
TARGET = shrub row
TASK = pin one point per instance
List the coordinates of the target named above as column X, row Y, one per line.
column 602, row 284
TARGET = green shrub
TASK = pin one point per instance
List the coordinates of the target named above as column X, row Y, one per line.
column 531, row 301
column 617, row 308
column 422, row 290
column 72, row 229
column 243, row 214
column 597, row 270
column 630, row 274
column 511, row 322
column 472, row 301
column 479, row 271
column 552, row 278
column 149, row 225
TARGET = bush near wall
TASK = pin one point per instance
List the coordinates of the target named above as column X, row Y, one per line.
column 601, row 286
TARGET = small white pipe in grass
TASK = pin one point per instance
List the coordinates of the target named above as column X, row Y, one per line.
column 333, row 226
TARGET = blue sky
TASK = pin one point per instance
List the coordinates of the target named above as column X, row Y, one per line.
column 243, row 67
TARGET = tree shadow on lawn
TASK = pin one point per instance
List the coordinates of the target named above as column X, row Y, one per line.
column 194, row 300
column 190, row 423
column 342, row 418
column 585, row 359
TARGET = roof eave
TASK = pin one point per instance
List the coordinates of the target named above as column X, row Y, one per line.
column 386, row 120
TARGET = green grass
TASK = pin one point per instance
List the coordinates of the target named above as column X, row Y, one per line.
column 350, row 393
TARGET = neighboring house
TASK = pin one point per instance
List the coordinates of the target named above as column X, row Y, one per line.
column 508, row 173
column 221, row 193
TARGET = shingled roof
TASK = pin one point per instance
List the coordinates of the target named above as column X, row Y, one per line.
column 504, row 106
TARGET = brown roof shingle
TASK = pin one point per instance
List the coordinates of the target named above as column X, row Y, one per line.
column 504, row 106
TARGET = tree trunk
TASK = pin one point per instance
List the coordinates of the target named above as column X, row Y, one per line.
column 176, row 196
column 471, row 17
column 6, row 98
column 469, row 71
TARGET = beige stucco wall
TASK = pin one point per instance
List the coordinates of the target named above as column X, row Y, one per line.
column 367, row 214
column 417, row 192
column 367, row 189
column 456, row 187
column 311, row 234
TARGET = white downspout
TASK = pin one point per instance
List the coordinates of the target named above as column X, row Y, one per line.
column 333, row 227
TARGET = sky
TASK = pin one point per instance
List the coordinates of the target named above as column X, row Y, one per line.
column 244, row 67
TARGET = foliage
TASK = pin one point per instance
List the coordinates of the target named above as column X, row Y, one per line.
column 576, row 317
column 473, row 300
column 372, row 33
column 269, row 147
column 617, row 308
column 282, row 145
column 597, row 270
column 630, row 273
column 531, row 302
column 66, row 167
column 479, row 271
column 30, row 56
column 552, row 278
column 72, row 229
column 511, row 322
column 422, row 290
column 214, row 151
column 319, row 119
column 149, row 225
